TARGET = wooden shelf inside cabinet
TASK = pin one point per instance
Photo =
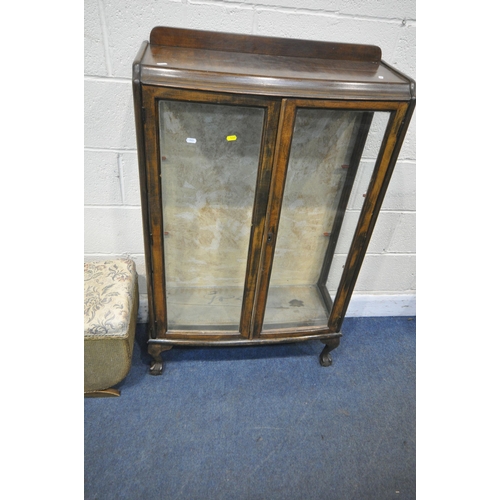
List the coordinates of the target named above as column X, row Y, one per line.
column 263, row 164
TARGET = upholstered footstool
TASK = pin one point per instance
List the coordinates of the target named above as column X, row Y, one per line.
column 110, row 316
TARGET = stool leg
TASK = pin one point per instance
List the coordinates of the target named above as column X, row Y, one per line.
column 104, row 393
column 155, row 351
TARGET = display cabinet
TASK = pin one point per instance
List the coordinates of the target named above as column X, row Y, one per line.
column 263, row 165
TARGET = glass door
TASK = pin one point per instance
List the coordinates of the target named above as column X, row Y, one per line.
column 325, row 167
column 213, row 160
column 209, row 162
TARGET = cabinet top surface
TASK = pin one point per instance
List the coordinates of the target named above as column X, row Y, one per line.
column 269, row 66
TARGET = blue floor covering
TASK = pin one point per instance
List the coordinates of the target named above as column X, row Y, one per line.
column 263, row 422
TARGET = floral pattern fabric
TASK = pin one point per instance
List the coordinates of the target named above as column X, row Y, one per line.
column 109, row 297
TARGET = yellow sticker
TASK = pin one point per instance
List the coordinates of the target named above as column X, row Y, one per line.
column 231, row 138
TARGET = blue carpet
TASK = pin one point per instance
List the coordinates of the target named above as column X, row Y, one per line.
column 262, row 422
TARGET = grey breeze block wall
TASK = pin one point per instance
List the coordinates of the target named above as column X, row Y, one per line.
column 114, row 30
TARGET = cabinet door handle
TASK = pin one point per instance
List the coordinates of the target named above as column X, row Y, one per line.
column 270, row 237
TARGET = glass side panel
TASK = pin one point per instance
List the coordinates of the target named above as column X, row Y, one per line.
column 326, row 179
column 356, row 199
column 209, row 162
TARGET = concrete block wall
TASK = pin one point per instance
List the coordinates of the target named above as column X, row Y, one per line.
column 114, row 30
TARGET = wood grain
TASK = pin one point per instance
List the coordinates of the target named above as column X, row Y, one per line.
column 196, row 39
column 279, row 76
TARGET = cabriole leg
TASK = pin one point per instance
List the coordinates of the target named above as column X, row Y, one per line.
column 325, row 359
column 155, row 351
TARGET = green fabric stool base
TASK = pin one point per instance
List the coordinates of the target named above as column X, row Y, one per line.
column 110, row 316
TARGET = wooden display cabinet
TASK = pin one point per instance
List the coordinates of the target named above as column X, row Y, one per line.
column 263, row 165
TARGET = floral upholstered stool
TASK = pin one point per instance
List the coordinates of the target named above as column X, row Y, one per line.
column 110, row 316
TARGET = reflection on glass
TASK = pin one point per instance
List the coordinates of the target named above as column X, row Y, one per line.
column 322, row 183
column 209, row 163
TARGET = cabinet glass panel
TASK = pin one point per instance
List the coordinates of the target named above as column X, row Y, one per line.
column 356, row 199
column 332, row 157
column 209, row 163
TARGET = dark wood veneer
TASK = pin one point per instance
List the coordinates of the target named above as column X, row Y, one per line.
column 279, row 76
column 273, row 46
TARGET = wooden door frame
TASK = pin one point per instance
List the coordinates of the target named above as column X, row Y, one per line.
column 151, row 166
column 400, row 114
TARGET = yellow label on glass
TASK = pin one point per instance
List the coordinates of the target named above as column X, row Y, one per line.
column 231, row 138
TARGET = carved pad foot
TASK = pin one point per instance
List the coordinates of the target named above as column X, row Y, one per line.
column 156, row 368
column 155, row 350
column 325, row 359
